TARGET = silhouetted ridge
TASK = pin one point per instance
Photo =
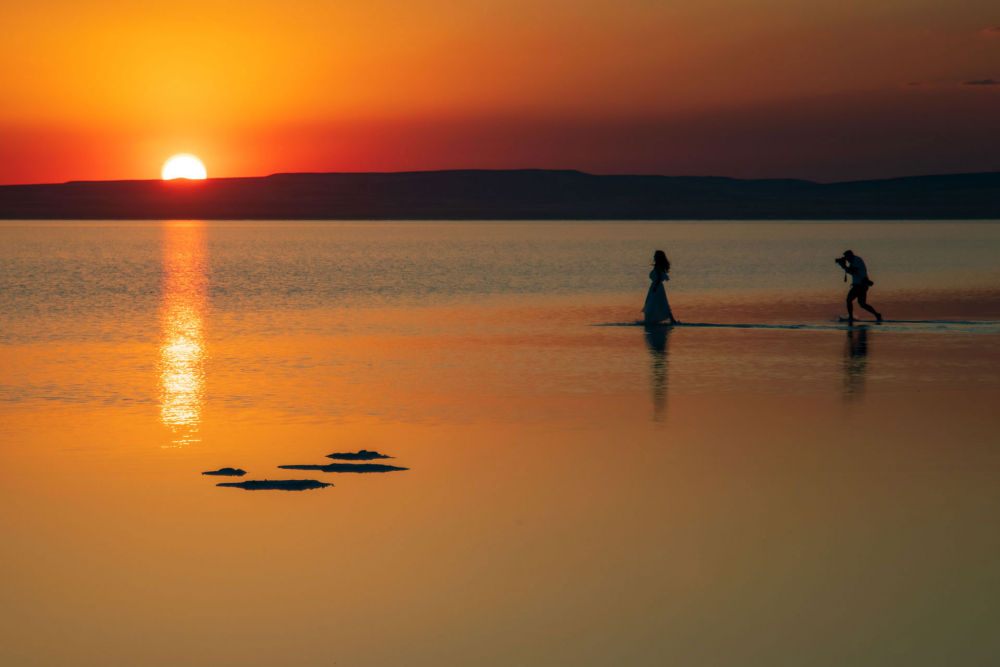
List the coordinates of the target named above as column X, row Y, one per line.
column 524, row 194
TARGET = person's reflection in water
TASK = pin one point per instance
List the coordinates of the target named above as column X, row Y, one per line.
column 182, row 347
column 657, row 338
column 855, row 362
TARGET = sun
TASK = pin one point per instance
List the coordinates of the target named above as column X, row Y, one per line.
column 184, row 166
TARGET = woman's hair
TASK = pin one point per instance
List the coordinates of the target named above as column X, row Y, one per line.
column 660, row 261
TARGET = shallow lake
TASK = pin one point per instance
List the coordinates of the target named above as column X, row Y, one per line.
column 763, row 485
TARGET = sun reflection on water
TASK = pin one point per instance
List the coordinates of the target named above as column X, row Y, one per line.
column 182, row 348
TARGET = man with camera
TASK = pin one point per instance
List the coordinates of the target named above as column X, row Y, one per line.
column 860, row 283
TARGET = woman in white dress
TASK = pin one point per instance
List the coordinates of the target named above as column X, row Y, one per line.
column 657, row 309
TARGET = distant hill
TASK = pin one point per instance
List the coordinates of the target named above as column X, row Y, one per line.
column 526, row 194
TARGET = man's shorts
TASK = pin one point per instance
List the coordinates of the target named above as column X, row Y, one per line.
column 857, row 292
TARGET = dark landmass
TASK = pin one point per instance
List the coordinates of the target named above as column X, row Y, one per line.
column 363, row 455
column 527, row 194
column 346, row 467
column 278, row 484
column 227, row 472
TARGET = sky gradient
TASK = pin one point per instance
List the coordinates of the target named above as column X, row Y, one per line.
column 108, row 89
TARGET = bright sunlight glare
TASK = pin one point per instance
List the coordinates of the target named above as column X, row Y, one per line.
column 184, row 166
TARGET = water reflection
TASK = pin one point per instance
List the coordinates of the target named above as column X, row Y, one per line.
column 182, row 347
column 855, row 362
column 657, row 338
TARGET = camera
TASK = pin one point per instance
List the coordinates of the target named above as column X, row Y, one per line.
column 841, row 260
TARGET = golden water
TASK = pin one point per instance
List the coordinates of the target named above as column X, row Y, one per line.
column 576, row 494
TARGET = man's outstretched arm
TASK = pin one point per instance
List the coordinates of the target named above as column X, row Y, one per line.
column 843, row 264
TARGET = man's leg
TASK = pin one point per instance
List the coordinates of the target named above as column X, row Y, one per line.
column 863, row 302
column 850, row 304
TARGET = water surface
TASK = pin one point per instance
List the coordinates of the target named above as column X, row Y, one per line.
column 787, row 491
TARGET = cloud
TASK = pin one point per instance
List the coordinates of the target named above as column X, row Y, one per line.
column 992, row 32
column 982, row 82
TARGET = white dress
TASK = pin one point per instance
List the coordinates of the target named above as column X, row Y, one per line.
column 657, row 309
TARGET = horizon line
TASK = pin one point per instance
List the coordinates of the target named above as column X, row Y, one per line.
column 522, row 169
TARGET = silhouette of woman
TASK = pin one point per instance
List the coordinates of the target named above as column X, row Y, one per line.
column 657, row 309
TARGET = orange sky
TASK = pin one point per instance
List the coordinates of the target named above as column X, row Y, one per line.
column 107, row 89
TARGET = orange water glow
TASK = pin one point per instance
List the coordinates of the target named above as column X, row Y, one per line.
column 182, row 349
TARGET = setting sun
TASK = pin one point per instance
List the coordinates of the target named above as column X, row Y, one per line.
column 184, row 166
